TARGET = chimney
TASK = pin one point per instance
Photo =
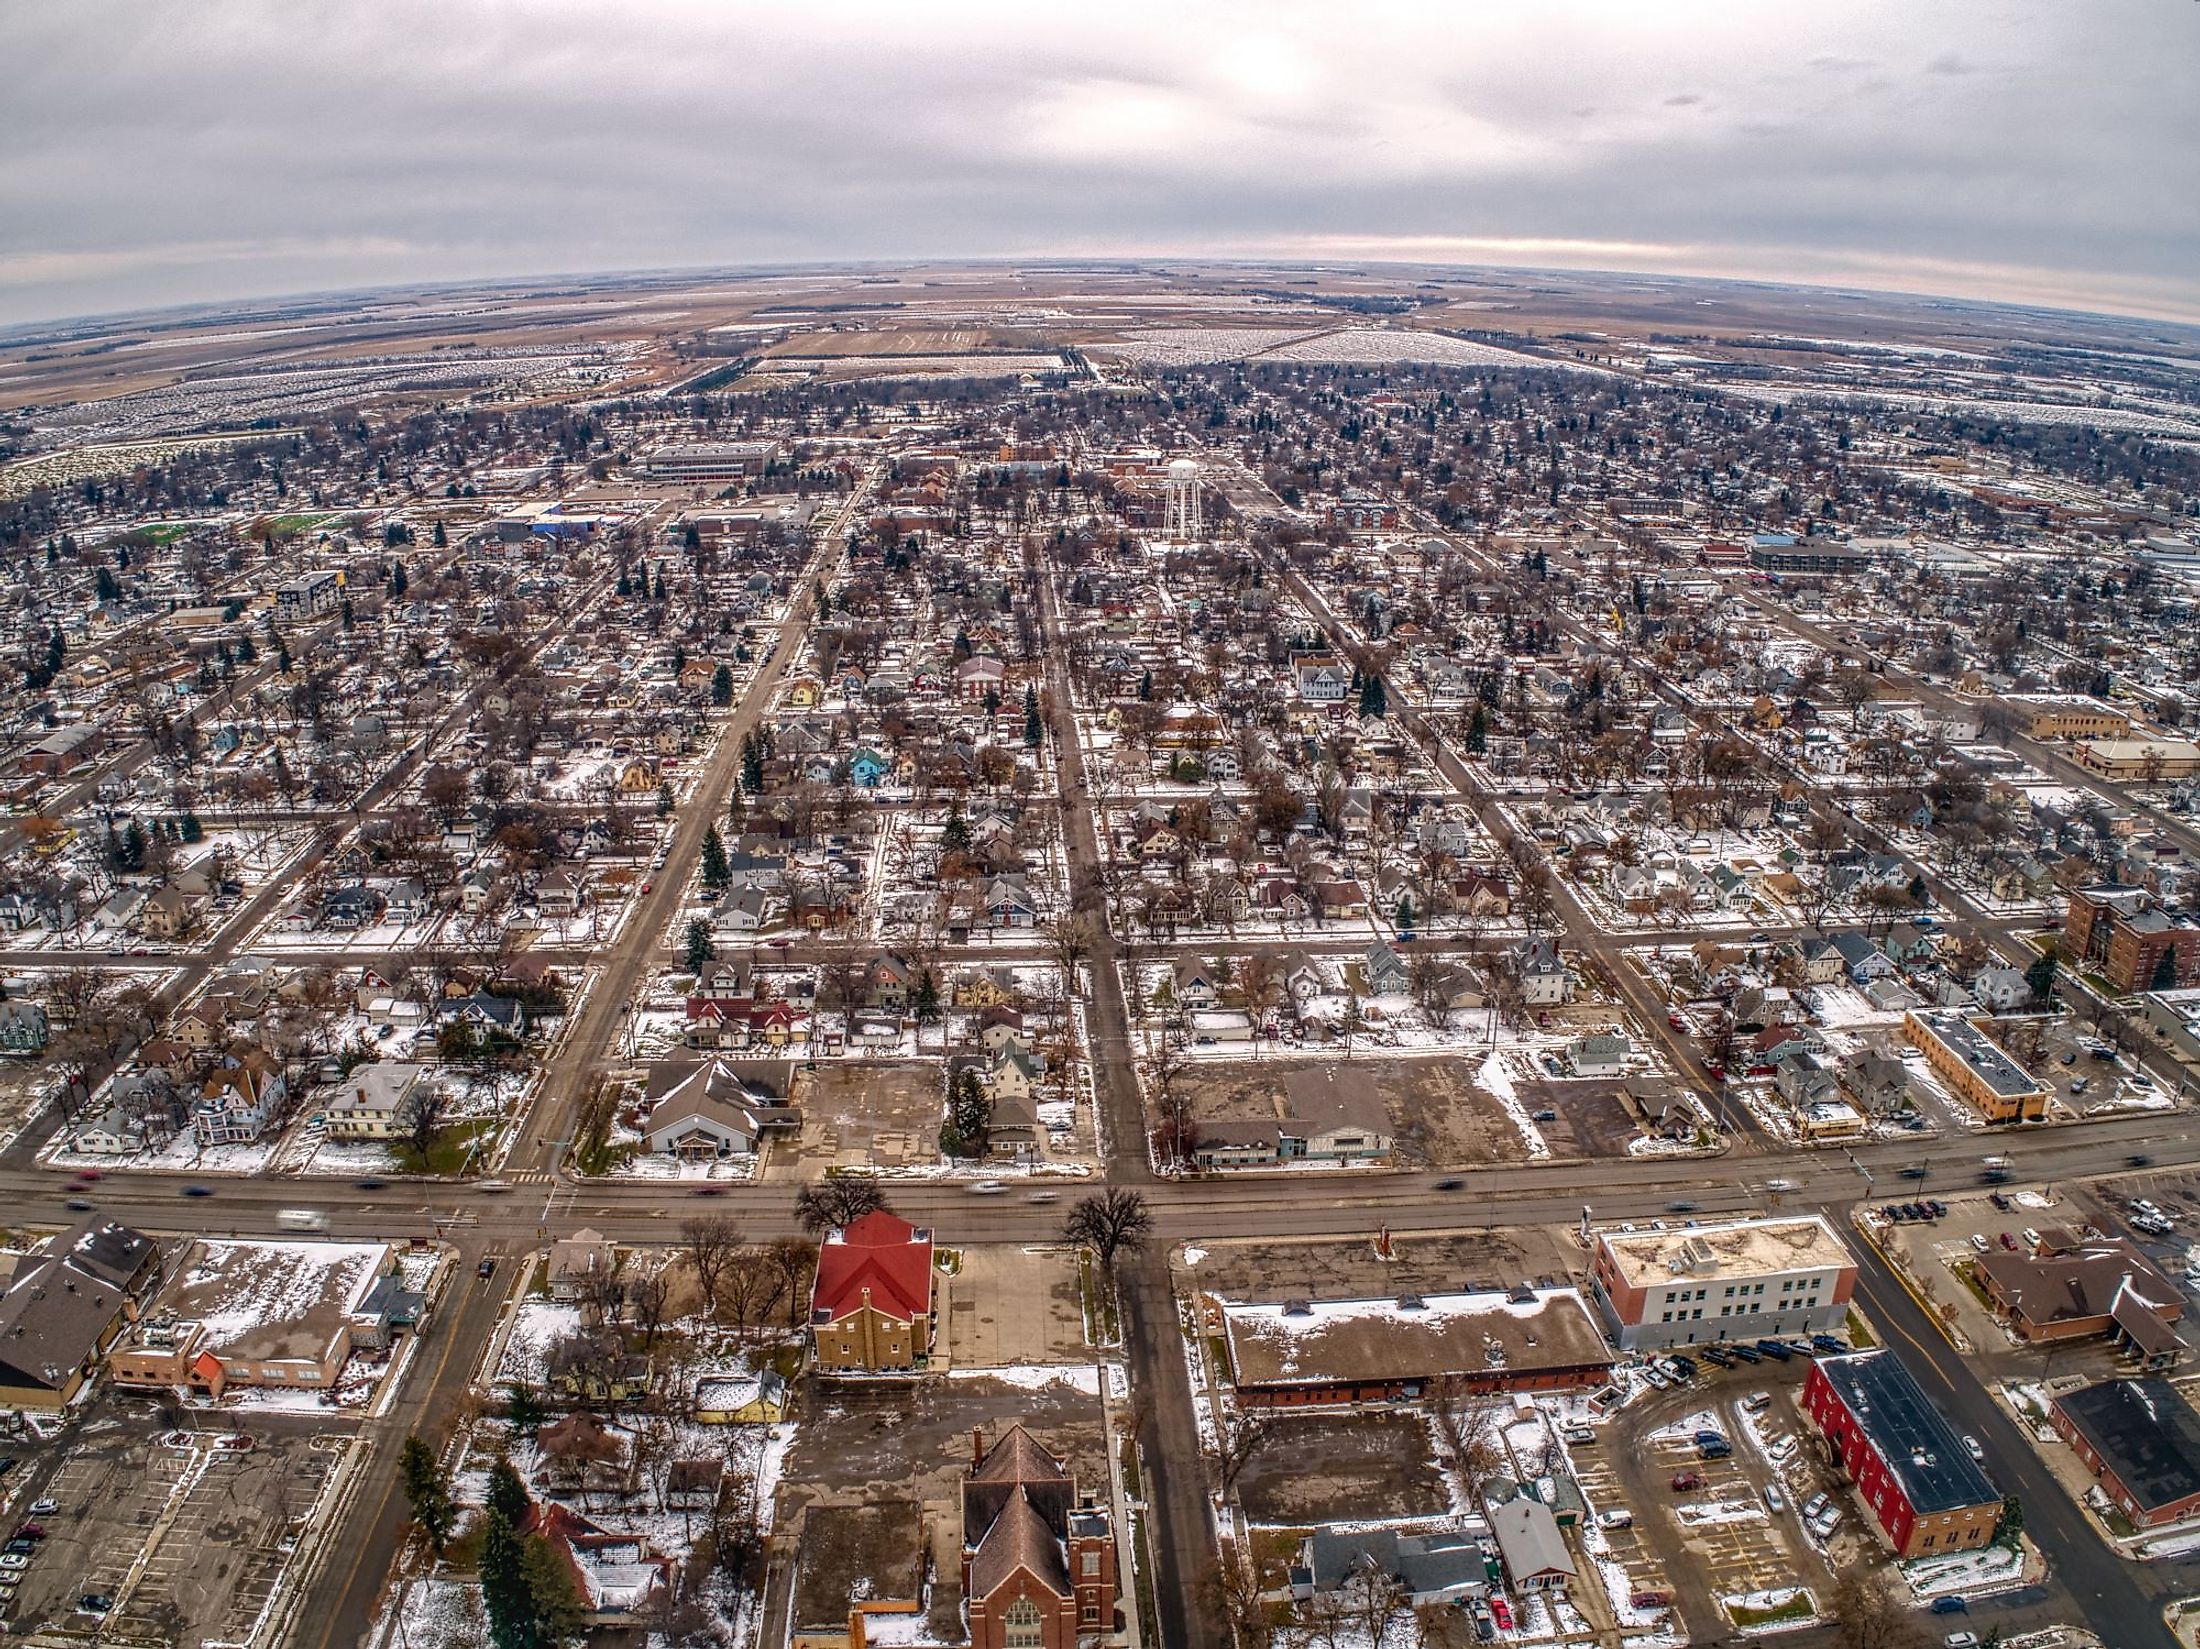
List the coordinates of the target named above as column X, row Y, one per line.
column 977, row 1447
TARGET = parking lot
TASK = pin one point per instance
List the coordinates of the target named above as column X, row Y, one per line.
column 868, row 1116
column 1012, row 1304
column 1704, row 1528
column 187, row 1534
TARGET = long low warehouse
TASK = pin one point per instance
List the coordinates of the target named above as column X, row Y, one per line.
column 1365, row 1351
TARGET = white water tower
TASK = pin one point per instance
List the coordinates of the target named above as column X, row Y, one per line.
column 1182, row 523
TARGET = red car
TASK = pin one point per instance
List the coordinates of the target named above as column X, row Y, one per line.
column 1687, row 1480
column 646, row 886
column 1502, row 1613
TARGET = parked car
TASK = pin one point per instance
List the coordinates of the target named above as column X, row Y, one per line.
column 1775, row 1501
column 1501, row 1612
column 1775, row 1350
column 1686, row 1480
column 1961, row 1640
column 1950, row 1604
column 1748, row 1354
column 1617, row 1518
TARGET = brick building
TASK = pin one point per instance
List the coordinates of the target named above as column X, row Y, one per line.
column 873, row 1304
column 2142, row 1440
column 2134, row 944
column 1913, row 1476
column 1039, row 1560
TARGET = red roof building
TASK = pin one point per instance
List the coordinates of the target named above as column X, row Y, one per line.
column 873, row 1305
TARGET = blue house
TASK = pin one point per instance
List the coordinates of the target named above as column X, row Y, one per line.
column 867, row 768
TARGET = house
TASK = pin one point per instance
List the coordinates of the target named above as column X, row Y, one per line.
column 1193, row 984
column 377, row 1101
column 238, row 1100
column 64, row 1307
column 620, row 1579
column 1862, row 960
column 23, row 1027
column 1039, row 1563
column 1998, row 990
column 1442, row 1566
column 166, row 913
column 576, row 1262
column 1603, row 1054
column 560, row 894
column 486, row 1014
column 1533, row 1549
column 761, row 1401
column 873, row 1301
column 704, row 1111
column 2084, row 1289
column 1326, row 1120
column 1539, row 972
column 1386, row 971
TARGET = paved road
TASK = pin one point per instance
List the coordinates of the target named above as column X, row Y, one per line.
column 2121, row 1601
column 1175, row 1478
column 548, row 1127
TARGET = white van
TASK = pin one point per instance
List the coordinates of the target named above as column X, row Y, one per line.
column 302, row 1219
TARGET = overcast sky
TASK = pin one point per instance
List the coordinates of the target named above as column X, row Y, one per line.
column 171, row 151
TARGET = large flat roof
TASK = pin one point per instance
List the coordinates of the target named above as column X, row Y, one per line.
column 1988, row 1062
column 1731, row 1248
column 1920, row 1448
column 2145, row 1434
column 1369, row 1341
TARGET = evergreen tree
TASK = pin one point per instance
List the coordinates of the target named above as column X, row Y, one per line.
column 523, row 1410
column 553, row 1601
column 1478, row 732
column 753, row 750
column 106, row 588
column 925, row 1001
column 345, row 609
column 698, row 950
column 190, row 828
column 1374, row 697
column 442, row 538
column 247, row 652
column 955, row 834
column 664, row 799
column 504, row 1590
column 679, row 658
column 507, row 1496
column 969, row 1118
column 715, row 873
column 134, row 846
column 282, row 656
column 398, row 580
column 1034, row 729
column 721, row 686
column 428, row 1489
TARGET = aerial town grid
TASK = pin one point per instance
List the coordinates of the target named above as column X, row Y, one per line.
column 1153, row 955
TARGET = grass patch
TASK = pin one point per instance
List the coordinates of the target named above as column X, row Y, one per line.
column 1859, row 1336
column 448, row 1151
column 1218, row 1358
column 1103, row 1326
column 1126, row 1450
column 1149, row 1615
column 1796, row 1607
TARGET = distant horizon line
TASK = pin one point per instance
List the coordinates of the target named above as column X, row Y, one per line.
column 545, row 283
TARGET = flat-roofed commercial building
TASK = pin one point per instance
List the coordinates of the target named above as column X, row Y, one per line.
column 1378, row 1351
column 711, row 460
column 2142, row 1440
column 1913, row 1476
column 1975, row 1067
column 2066, row 716
column 1734, row 1280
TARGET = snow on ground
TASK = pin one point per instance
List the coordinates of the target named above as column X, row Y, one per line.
column 264, row 1283
column 1986, row 1567
column 1702, row 1514
column 1496, row 1080
column 1084, row 1377
column 1684, row 1429
column 536, row 1326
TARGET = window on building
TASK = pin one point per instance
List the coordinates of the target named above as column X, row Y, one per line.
column 1092, row 1613
column 1021, row 1627
column 1092, row 1561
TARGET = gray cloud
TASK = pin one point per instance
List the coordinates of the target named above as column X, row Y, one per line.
column 160, row 151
